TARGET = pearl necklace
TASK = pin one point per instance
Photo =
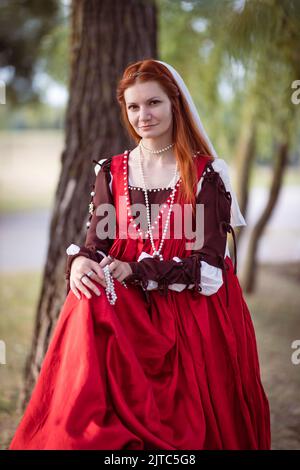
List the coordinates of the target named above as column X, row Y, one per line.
column 126, row 193
column 110, row 286
column 156, row 253
column 155, row 151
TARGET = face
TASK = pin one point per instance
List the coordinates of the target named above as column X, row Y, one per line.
column 148, row 105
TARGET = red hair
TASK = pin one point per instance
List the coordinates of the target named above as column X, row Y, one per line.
column 186, row 136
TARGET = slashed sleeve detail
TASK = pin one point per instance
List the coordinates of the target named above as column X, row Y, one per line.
column 95, row 247
column 204, row 270
column 152, row 273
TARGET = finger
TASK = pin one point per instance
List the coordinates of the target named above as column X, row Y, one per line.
column 75, row 290
column 95, row 278
column 113, row 266
column 117, row 272
column 122, row 277
column 98, row 275
column 86, row 280
column 102, row 282
column 80, row 286
column 98, row 270
column 106, row 260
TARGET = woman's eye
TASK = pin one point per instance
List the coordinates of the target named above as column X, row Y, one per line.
column 133, row 106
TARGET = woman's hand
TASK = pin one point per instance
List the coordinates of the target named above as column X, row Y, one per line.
column 80, row 282
column 119, row 269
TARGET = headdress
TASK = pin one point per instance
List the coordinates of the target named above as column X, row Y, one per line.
column 237, row 218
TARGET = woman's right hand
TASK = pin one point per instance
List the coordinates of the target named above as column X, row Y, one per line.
column 80, row 282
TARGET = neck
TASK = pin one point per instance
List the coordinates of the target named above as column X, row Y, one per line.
column 160, row 159
column 166, row 156
column 157, row 144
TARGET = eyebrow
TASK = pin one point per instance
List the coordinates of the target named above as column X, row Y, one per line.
column 150, row 99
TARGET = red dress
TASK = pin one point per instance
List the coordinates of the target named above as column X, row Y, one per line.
column 179, row 371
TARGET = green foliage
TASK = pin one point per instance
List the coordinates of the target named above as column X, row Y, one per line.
column 54, row 52
column 24, row 25
column 239, row 58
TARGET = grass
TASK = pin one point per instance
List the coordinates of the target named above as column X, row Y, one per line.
column 19, row 294
column 275, row 313
column 29, row 169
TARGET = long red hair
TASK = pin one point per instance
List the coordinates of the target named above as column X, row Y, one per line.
column 186, row 136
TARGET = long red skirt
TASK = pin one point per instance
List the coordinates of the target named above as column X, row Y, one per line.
column 182, row 373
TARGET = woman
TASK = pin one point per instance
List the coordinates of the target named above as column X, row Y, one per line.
column 154, row 347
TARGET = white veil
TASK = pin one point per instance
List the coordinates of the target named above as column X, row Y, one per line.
column 237, row 218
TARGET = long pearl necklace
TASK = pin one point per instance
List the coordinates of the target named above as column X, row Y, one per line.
column 110, row 286
column 156, row 253
column 156, row 151
column 141, row 234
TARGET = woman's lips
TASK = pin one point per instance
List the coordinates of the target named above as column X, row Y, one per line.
column 147, row 127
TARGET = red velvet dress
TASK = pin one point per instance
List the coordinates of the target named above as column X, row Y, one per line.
column 174, row 371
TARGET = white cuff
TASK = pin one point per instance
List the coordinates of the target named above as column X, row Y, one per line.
column 73, row 249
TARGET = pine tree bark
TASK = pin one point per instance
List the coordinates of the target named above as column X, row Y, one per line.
column 106, row 36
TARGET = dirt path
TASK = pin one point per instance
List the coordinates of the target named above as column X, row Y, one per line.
column 275, row 310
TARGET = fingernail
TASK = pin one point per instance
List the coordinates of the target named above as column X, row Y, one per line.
column 98, row 293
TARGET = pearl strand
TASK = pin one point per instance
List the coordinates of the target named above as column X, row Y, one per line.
column 126, row 193
column 156, row 151
column 157, row 252
column 147, row 200
column 110, row 286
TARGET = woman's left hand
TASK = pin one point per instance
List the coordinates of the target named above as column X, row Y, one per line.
column 119, row 269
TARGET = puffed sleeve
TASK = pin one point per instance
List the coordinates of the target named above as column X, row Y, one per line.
column 96, row 246
column 204, row 270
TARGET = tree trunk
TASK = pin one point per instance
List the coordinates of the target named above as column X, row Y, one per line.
column 106, row 36
column 249, row 278
column 244, row 160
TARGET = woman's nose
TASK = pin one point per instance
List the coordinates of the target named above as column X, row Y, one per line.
column 145, row 114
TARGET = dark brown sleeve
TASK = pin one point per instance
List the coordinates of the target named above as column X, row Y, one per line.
column 94, row 241
column 164, row 272
column 217, row 203
column 217, row 211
